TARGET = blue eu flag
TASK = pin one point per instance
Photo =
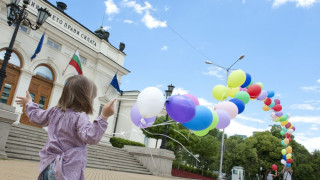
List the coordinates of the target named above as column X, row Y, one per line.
column 38, row 47
column 114, row 83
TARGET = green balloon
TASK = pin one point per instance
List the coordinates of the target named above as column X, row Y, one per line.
column 260, row 84
column 243, row 96
column 284, row 129
column 284, row 117
column 215, row 121
column 282, row 133
column 201, row 133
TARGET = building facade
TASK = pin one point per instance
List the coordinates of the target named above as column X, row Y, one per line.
column 44, row 77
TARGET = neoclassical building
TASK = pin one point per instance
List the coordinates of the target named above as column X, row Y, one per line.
column 43, row 76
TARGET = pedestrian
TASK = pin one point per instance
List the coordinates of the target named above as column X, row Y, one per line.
column 64, row 156
column 287, row 173
column 271, row 176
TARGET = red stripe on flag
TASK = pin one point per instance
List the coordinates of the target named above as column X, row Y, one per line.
column 75, row 65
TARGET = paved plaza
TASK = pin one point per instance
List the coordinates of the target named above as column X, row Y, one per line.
column 27, row 170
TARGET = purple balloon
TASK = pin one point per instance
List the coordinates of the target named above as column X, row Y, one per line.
column 263, row 95
column 277, row 101
column 138, row 120
column 279, row 114
column 181, row 108
column 224, row 119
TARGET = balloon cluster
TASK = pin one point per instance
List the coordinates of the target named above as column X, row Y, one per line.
column 185, row 109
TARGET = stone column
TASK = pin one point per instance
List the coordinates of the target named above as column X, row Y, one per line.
column 7, row 118
column 158, row 161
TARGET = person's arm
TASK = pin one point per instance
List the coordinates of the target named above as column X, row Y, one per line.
column 91, row 133
column 35, row 114
column 275, row 174
column 283, row 170
column 291, row 171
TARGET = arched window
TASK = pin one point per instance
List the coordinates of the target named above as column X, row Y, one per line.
column 44, row 72
column 14, row 59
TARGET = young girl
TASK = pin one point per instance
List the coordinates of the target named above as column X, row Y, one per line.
column 271, row 176
column 64, row 156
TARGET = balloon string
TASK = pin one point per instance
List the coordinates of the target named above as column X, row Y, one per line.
column 173, row 140
column 181, row 134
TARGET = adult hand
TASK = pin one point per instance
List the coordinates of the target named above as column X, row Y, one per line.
column 22, row 101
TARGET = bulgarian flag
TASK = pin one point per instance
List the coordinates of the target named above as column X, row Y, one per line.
column 75, row 62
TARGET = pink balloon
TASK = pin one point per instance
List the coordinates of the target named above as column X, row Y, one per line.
column 293, row 128
column 273, row 115
column 229, row 107
column 193, row 98
column 224, row 119
column 277, row 101
column 243, row 89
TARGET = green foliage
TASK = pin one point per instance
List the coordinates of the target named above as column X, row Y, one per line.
column 119, row 142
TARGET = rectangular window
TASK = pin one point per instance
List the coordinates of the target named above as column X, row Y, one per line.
column 22, row 28
column 53, row 44
column 83, row 60
column 42, row 101
column 5, row 93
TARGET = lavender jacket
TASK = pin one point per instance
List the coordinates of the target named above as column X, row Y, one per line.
column 68, row 135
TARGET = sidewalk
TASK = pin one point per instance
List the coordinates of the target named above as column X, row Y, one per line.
column 28, row 170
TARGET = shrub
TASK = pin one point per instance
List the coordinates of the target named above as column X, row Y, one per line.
column 194, row 170
column 119, row 142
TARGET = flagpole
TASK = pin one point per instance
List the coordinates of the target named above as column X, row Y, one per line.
column 109, row 86
column 69, row 62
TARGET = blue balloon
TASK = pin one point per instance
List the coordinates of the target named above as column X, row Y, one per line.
column 240, row 104
column 284, row 157
column 288, row 165
column 201, row 120
column 270, row 94
column 247, row 82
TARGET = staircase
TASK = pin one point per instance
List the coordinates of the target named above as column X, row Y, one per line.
column 25, row 142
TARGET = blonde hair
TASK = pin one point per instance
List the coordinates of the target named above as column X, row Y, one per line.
column 78, row 94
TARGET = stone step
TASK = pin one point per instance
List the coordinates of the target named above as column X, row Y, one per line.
column 43, row 133
column 23, row 126
column 120, row 169
column 32, row 155
column 105, row 157
column 91, row 149
column 27, row 135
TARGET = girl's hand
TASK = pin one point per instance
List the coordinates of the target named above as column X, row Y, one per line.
column 107, row 110
column 22, row 101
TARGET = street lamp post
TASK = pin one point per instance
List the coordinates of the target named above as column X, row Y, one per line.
column 222, row 140
column 168, row 94
column 16, row 15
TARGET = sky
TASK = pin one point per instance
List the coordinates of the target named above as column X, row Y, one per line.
column 168, row 41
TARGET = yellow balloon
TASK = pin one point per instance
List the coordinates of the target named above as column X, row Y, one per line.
column 283, row 123
column 236, row 78
column 220, row 92
column 286, row 141
column 288, row 156
column 289, row 149
column 290, row 126
column 233, row 91
column 284, row 152
column 279, row 117
column 266, row 108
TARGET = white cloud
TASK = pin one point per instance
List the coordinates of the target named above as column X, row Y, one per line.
column 128, row 21
column 111, row 7
column 305, row 119
column 240, row 129
column 311, row 143
column 137, row 7
column 164, row 48
column 151, row 22
column 216, row 72
column 240, row 116
column 106, row 27
column 166, row 8
column 299, row 3
column 179, row 91
column 243, row 1
column 304, row 107
column 314, row 127
column 311, row 88
column 160, row 86
column 204, row 102
column 318, row 81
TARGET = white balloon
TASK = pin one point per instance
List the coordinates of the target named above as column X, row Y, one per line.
column 229, row 107
column 283, row 162
column 150, row 102
column 273, row 116
column 290, row 131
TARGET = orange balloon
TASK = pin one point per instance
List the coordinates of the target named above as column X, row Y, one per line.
column 266, row 108
column 289, row 149
column 286, row 141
